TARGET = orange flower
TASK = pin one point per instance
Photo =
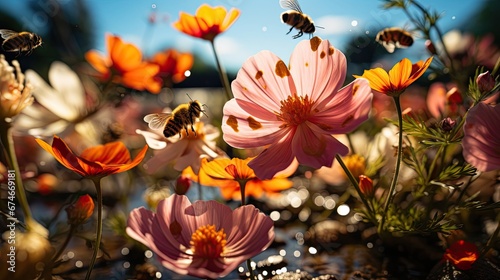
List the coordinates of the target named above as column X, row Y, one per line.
column 173, row 65
column 81, row 210
column 402, row 75
column 462, row 254
column 207, row 23
column 227, row 174
column 125, row 61
column 94, row 162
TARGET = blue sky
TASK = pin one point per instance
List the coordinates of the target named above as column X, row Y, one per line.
column 259, row 26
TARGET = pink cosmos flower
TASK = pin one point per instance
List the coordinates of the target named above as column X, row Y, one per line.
column 481, row 142
column 205, row 239
column 294, row 109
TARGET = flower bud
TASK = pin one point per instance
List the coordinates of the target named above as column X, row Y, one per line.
column 430, row 47
column 485, row 82
column 462, row 254
column 447, row 124
column 182, row 185
column 81, row 210
column 366, row 186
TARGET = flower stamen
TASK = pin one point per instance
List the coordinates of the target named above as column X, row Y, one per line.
column 208, row 243
column 294, row 110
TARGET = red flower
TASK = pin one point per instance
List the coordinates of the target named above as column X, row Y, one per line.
column 94, row 162
column 462, row 254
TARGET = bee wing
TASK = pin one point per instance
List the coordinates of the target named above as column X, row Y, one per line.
column 6, row 33
column 291, row 4
column 157, row 121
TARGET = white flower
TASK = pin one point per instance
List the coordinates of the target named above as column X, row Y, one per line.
column 63, row 107
column 15, row 95
column 186, row 151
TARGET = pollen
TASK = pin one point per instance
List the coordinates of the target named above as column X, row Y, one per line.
column 331, row 50
column 208, row 243
column 295, row 110
column 355, row 88
column 233, row 123
column 253, row 123
column 281, row 69
column 315, row 42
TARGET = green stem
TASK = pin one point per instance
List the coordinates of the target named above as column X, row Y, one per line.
column 250, row 270
column 65, row 244
column 392, row 188
column 8, row 143
column 493, row 238
column 354, row 182
column 97, row 183
column 222, row 73
column 440, row 35
column 242, row 190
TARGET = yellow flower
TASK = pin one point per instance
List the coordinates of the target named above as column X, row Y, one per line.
column 15, row 94
column 227, row 174
column 207, row 23
column 402, row 75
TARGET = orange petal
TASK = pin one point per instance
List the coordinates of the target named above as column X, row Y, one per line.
column 378, row 78
column 400, row 73
column 216, row 169
column 125, row 57
column 229, row 20
column 142, row 78
column 188, row 24
column 421, row 70
column 243, row 170
column 111, row 153
column 98, row 62
column 138, row 158
column 211, row 16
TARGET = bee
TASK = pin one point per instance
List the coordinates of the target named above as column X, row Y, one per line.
column 19, row 42
column 394, row 37
column 296, row 18
column 182, row 117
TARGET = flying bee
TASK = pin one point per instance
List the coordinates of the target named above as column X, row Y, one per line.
column 182, row 117
column 394, row 37
column 20, row 41
column 296, row 18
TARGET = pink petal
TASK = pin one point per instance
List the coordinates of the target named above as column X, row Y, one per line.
column 274, row 159
column 436, row 99
column 165, row 156
column 139, row 224
column 258, row 82
column 346, row 110
column 238, row 126
column 316, row 149
column 317, row 70
column 252, row 232
column 481, row 142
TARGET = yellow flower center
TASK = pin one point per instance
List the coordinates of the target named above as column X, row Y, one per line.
column 356, row 164
column 294, row 110
column 208, row 243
